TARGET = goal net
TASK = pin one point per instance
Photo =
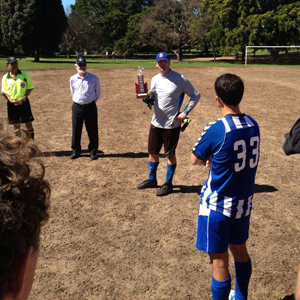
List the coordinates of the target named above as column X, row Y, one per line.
column 274, row 54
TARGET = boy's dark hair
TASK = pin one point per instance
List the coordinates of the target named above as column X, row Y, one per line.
column 230, row 88
column 24, row 202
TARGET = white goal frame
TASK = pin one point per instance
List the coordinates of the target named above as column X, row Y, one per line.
column 267, row 47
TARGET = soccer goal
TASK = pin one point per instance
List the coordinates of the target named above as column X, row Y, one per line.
column 267, row 47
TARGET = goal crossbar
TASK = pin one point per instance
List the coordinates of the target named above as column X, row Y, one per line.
column 263, row 47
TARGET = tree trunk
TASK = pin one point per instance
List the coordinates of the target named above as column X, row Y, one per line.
column 68, row 55
column 206, row 50
column 178, row 53
column 274, row 54
column 36, row 56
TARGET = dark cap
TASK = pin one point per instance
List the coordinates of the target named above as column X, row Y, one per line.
column 80, row 60
column 10, row 60
column 162, row 56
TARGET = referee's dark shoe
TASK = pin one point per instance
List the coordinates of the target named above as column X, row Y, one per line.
column 165, row 189
column 94, row 155
column 147, row 184
column 75, row 155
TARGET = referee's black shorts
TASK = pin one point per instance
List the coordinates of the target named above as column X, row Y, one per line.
column 19, row 113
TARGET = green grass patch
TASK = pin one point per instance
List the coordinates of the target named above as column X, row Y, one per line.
column 95, row 63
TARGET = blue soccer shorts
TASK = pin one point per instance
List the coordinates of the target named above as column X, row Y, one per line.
column 216, row 231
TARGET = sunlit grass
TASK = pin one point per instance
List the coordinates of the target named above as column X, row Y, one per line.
column 59, row 63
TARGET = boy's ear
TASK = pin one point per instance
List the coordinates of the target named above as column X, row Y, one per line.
column 21, row 277
column 220, row 103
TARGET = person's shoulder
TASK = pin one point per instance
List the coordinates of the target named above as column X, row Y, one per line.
column 5, row 75
column 252, row 119
column 91, row 75
column 156, row 78
column 179, row 76
column 212, row 134
column 24, row 73
column 215, row 125
column 174, row 73
column 214, row 128
column 74, row 76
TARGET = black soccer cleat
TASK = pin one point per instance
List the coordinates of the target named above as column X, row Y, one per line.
column 165, row 189
column 147, row 184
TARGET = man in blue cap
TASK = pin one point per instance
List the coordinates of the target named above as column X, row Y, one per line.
column 169, row 88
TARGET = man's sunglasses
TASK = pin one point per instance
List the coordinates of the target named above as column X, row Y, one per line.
column 82, row 65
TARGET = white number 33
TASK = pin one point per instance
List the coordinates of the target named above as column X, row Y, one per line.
column 241, row 147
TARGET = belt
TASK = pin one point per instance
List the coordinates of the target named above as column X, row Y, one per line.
column 84, row 105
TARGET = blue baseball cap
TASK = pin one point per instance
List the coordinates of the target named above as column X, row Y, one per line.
column 162, row 55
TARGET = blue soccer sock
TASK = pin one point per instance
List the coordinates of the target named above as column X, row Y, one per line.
column 152, row 170
column 242, row 278
column 220, row 289
column 170, row 173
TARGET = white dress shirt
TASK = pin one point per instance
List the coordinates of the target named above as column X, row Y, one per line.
column 85, row 89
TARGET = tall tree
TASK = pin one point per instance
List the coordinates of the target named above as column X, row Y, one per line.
column 110, row 16
column 81, row 34
column 32, row 26
column 233, row 24
column 168, row 25
column 134, row 42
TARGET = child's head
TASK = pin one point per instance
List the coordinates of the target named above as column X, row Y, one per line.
column 24, row 203
column 230, row 88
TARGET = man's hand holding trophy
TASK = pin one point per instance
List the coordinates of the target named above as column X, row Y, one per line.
column 141, row 89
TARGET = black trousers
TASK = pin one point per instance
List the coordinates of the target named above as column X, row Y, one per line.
column 89, row 115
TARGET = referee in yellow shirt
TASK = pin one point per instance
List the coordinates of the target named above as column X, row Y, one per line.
column 16, row 87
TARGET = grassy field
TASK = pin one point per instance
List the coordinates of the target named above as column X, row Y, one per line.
column 27, row 63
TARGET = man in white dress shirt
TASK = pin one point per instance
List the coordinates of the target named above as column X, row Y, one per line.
column 85, row 90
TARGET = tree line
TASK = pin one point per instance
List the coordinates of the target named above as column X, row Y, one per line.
column 41, row 27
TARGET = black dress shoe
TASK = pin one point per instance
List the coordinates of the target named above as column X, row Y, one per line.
column 94, row 156
column 74, row 155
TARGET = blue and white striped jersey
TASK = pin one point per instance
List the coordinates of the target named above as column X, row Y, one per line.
column 232, row 145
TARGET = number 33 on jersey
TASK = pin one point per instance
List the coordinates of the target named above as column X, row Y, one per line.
column 232, row 145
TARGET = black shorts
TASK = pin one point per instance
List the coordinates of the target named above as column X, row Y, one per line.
column 20, row 113
column 160, row 136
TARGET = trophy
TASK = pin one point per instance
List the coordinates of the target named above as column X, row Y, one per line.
column 141, row 87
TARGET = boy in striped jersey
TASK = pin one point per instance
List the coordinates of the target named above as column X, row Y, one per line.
column 229, row 147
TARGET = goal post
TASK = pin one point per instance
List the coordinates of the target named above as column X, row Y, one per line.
column 266, row 47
